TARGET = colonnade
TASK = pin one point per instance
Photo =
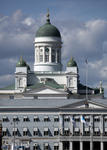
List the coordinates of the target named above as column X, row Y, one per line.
column 81, row 147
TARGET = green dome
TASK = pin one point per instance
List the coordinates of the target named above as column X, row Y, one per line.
column 72, row 63
column 48, row 30
column 22, row 63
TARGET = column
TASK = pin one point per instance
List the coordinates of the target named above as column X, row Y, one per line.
column 61, row 124
column 91, row 132
column 71, row 124
column 91, row 145
column 44, row 55
column 39, row 55
column 81, row 127
column 81, row 145
column 50, row 54
column 71, row 145
column 101, row 145
column 60, row 146
column 101, row 124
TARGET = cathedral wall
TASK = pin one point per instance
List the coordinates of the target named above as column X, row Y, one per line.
column 60, row 79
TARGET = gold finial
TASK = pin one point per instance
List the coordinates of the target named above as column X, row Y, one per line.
column 48, row 15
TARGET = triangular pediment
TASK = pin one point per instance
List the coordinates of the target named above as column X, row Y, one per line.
column 84, row 104
column 45, row 90
column 49, row 91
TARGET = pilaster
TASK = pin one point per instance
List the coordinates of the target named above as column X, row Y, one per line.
column 101, row 145
column 71, row 145
column 60, row 146
column 61, row 124
column 81, row 145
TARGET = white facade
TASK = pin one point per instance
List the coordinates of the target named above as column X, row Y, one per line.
column 47, row 65
column 21, row 78
column 47, row 54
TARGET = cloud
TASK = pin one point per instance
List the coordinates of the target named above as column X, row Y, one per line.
column 80, row 40
column 87, row 41
column 6, row 80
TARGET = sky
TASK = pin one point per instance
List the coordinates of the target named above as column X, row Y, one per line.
column 83, row 27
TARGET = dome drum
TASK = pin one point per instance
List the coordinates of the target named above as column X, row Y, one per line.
column 48, row 67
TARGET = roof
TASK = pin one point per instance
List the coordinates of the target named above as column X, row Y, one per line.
column 72, row 63
column 35, row 103
column 48, row 82
column 47, row 103
column 48, row 30
column 22, row 63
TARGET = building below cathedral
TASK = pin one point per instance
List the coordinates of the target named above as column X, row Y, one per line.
column 48, row 108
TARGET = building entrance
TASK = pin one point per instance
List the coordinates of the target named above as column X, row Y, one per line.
column 86, row 145
column 105, row 145
column 96, row 145
column 66, row 145
column 76, row 145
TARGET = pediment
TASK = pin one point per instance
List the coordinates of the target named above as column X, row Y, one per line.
column 85, row 104
column 46, row 90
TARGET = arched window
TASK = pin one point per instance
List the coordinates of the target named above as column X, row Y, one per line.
column 21, row 82
column 46, row 54
column 58, row 56
column 53, row 55
column 41, row 55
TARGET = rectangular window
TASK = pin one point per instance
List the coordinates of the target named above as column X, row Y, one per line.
column 96, row 131
column 4, row 133
column 35, row 131
column 46, row 58
column 25, row 119
column 15, row 133
column 66, row 119
column 36, row 119
column 46, row 119
column 46, row 133
column 105, row 133
column 35, row 147
column 96, row 118
column 15, row 118
column 56, row 133
column 105, row 118
column 77, row 118
column 25, row 133
column 53, row 58
column 66, row 132
column 46, row 146
column 41, row 58
column 56, row 119
column 56, row 147
column 5, row 119
column 76, row 131
column 86, row 133
column 87, row 118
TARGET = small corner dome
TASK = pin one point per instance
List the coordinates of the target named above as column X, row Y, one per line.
column 22, row 63
column 48, row 30
column 72, row 63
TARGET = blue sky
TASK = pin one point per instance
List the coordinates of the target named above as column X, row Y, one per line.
column 78, row 9
column 83, row 26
